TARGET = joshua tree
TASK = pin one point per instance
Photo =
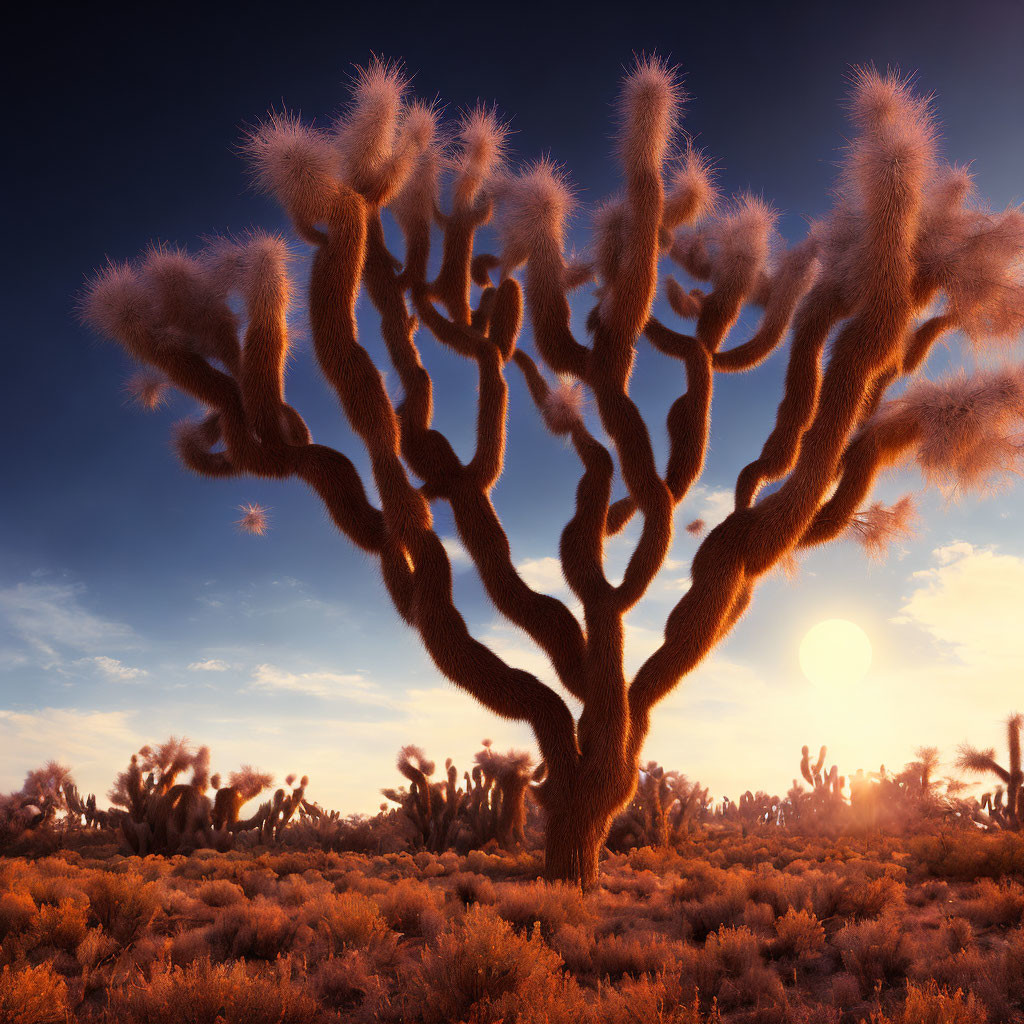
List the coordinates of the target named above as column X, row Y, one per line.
column 492, row 807
column 812, row 773
column 162, row 814
column 244, row 785
column 980, row 761
column 904, row 258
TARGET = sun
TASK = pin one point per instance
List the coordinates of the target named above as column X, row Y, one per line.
column 835, row 653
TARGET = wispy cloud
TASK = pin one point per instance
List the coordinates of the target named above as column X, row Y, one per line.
column 49, row 621
column 91, row 742
column 209, row 665
column 970, row 601
column 327, row 685
column 457, row 554
column 543, row 574
column 116, row 670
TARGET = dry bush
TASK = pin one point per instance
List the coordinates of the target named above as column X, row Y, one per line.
column 798, row 933
column 206, row 993
column 932, row 1005
column 473, row 888
column 35, row 995
column 547, row 904
column 219, row 892
column 258, row 930
column 479, row 969
column 995, row 904
column 350, row 920
column 348, row 984
column 61, row 926
column 411, row 907
column 875, row 951
column 123, row 905
column 17, row 911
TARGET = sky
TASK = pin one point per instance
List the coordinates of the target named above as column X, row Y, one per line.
column 132, row 608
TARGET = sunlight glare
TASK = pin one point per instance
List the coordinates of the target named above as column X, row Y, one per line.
column 835, row 653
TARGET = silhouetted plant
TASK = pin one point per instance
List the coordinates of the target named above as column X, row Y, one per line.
column 984, row 761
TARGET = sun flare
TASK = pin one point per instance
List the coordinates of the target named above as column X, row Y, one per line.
column 835, row 653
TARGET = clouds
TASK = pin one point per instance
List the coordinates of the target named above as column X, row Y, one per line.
column 457, row 554
column 114, row 670
column 95, row 744
column 543, row 574
column 209, row 665
column 328, row 685
column 970, row 601
column 49, row 622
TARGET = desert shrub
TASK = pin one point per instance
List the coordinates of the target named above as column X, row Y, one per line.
column 653, row 1001
column 970, row 855
column 613, row 956
column 479, row 968
column 875, row 951
column 956, row 933
column 258, row 930
column 205, row 993
column 219, row 892
column 994, row 904
column 61, row 926
column 798, row 933
column 347, row 983
column 473, row 888
column 724, row 908
column 17, row 910
column 832, row 895
column 124, row 905
column 352, row 921
column 36, row 995
column 932, row 1005
column 547, row 904
column 407, row 903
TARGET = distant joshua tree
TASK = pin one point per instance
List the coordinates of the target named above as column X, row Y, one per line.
column 984, row 762
column 905, row 257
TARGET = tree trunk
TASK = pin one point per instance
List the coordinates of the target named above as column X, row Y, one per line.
column 572, row 843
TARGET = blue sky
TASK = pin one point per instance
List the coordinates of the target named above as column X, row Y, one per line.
column 130, row 607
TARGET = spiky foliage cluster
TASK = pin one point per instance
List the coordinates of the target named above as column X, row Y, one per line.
column 490, row 808
column 243, row 785
column 1009, row 814
column 159, row 814
column 906, row 256
column 665, row 807
column 41, row 798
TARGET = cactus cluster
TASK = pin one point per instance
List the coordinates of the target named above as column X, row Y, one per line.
column 1004, row 807
column 665, row 807
column 156, row 813
column 490, row 806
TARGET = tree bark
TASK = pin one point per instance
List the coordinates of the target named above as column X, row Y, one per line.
column 572, row 843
